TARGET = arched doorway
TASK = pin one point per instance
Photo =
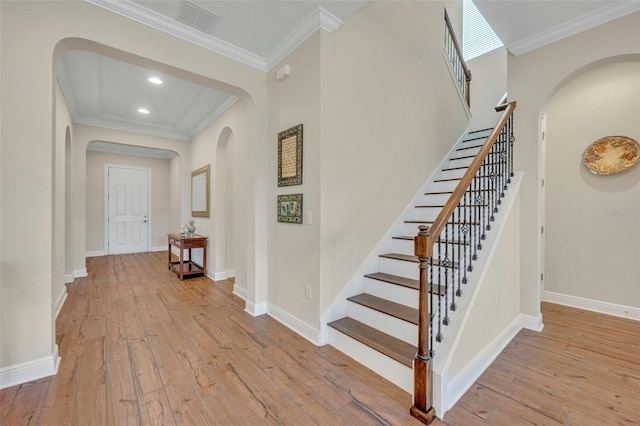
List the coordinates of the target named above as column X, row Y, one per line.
column 223, row 199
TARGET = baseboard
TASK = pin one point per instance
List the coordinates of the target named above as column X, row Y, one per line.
column 159, row 248
column 295, row 324
column 219, row 276
column 532, row 323
column 614, row 309
column 255, row 309
column 80, row 273
column 240, row 292
column 231, row 273
column 68, row 279
column 30, row 370
column 466, row 378
column 60, row 300
column 95, row 253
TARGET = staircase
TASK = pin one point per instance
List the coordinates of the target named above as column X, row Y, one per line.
column 385, row 316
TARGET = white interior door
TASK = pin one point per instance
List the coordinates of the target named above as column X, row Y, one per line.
column 128, row 227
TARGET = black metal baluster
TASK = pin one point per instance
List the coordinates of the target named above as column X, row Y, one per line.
column 458, row 259
column 466, row 233
column 445, row 265
column 477, row 217
column 431, row 351
column 485, row 195
column 437, row 290
column 512, row 139
column 503, row 165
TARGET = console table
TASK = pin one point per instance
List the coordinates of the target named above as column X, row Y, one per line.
column 184, row 267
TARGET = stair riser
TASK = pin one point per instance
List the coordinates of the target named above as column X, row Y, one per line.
column 406, row 247
column 387, row 324
column 466, row 152
column 439, row 199
column 400, row 268
column 474, row 142
column 412, row 229
column 395, row 372
column 451, row 174
column 430, row 213
column 392, row 292
column 442, row 186
column 460, row 162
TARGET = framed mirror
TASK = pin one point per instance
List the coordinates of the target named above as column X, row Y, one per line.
column 200, row 192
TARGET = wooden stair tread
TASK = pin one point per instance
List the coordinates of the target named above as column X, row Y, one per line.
column 405, row 282
column 388, row 307
column 455, row 168
column 481, row 130
column 451, row 192
column 395, row 279
column 469, row 147
column 434, row 206
column 395, row 349
column 410, row 238
column 448, row 223
column 409, row 258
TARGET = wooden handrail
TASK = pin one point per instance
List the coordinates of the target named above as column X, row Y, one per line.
column 438, row 225
column 467, row 72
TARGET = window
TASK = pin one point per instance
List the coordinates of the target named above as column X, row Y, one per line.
column 478, row 37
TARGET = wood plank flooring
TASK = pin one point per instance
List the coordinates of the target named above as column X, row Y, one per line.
column 139, row 346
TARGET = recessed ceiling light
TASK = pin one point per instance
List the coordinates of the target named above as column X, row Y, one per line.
column 154, row 80
column 143, row 111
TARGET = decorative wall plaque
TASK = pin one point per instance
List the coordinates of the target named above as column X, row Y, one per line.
column 290, row 208
column 290, row 156
column 611, row 155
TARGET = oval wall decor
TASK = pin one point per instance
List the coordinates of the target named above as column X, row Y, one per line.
column 611, row 155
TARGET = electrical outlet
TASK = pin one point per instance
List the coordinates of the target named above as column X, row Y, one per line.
column 309, row 218
column 307, row 292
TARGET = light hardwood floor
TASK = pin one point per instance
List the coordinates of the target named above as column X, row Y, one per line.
column 139, row 346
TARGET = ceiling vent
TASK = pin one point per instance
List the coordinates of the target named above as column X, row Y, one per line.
column 196, row 17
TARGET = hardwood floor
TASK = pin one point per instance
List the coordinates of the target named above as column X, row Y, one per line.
column 583, row 369
column 139, row 346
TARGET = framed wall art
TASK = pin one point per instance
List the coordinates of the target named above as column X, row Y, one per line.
column 290, row 156
column 290, row 208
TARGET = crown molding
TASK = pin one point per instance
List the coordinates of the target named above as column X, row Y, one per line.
column 319, row 19
column 160, row 22
column 574, row 26
column 212, row 116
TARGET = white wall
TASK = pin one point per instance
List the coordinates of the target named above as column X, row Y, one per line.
column 60, row 220
column 389, row 115
column 27, row 106
column 230, row 130
column 593, row 222
column 294, row 262
column 95, row 188
column 533, row 78
column 488, row 85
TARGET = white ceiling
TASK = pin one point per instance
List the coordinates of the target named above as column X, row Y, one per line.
column 525, row 25
column 106, row 92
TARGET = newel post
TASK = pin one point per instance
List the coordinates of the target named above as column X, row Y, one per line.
column 422, row 408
